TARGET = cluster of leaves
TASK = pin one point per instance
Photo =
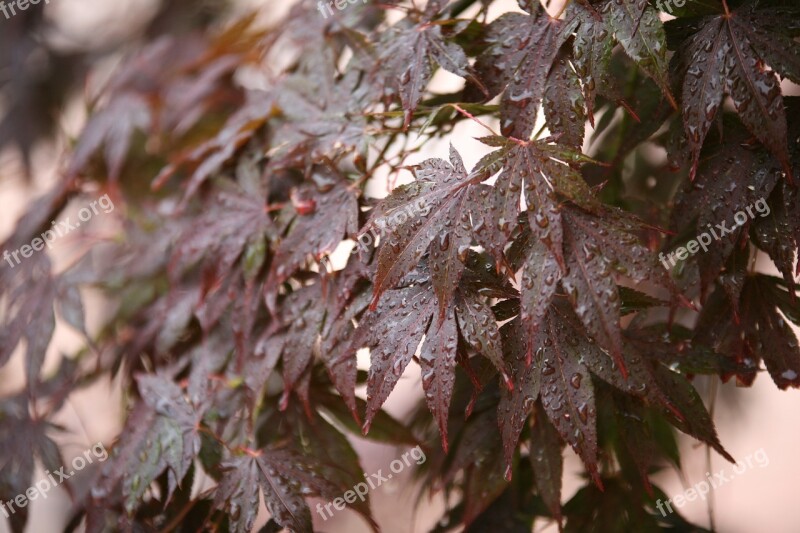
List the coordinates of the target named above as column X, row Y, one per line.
column 236, row 339
column 39, row 75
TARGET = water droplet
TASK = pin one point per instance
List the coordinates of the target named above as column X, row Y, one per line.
column 583, row 412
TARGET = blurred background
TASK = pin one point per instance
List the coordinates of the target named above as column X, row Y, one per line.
column 53, row 60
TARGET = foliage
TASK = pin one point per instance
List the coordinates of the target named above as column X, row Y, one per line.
column 510, row 284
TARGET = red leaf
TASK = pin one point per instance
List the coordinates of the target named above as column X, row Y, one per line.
column 407, row 60
column 720, row 58
column 521, row 52
column 516, row 404
column 438, row 362
column 564, row 104
column 540, row 277
column 478, row 326
column 392, row 332
column 316, row 234
column 547, row 462
column 568, row 395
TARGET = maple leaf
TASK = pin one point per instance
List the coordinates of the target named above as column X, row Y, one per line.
column 547, row 462
column 477, row 455
column 650, row 381
column 564, row 360
column 162, row 434
column 596, row 247
column 321, row 220
column 318, row 114
column 542, row 173
column 302, row 455
column 234, row 217
column 154, row 443
column 24, row 439
column 758, row 331
column 207, row 158
column 128, row 110
column 777, row 231
column 567, row 395
column 445, row 208
column 635, row 25
column 284, row 477
column 409, row 53
column 238, row 493
column 183, row 74
column 564, row 105
column 168, row 401
column 336, row 335
column 28, row 293
column 29, row 315
column 520, row 53
column 565, row 388
column 591, row 53
column 734, row 175
column 435, row 213
column 317, row 317
column 695, row 419
column 112, row 127
column 726, row 54
column 638, row 29
column 282, row 481
column 293, row 337
column 393, row 332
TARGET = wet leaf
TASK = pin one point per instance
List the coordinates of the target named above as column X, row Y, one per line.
column 728, row 55
column 548, row 463
column 522, row 49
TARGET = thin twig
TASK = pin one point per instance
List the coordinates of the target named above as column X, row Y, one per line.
column 472, row 117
